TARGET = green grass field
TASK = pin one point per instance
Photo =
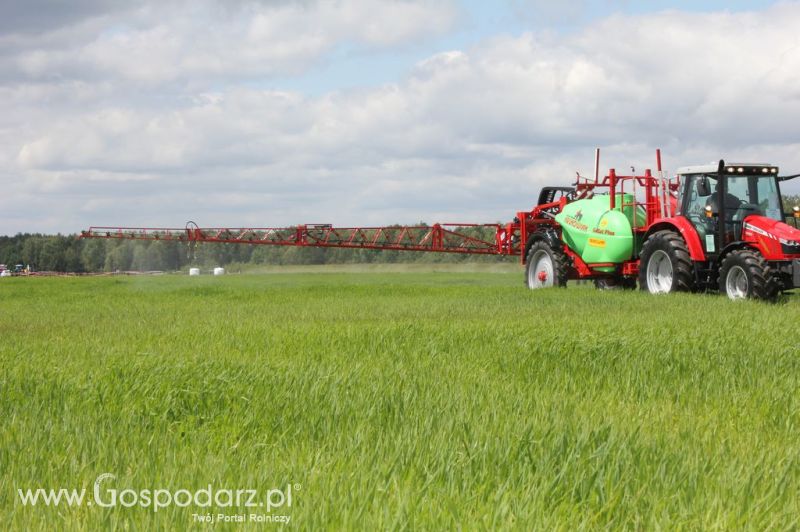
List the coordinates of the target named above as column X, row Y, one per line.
column 399, row 401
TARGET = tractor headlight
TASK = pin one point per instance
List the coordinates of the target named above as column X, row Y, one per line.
column 790, row 243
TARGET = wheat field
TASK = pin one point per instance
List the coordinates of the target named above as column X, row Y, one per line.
column 396, row 400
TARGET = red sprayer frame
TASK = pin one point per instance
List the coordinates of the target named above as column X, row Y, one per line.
column 659, row 201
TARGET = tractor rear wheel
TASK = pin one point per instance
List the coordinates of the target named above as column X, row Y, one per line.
column 665, row 265
column 545, row 266
column 745, row 274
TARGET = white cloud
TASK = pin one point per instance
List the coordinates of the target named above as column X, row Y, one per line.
column 468, row 135
column 204, row 41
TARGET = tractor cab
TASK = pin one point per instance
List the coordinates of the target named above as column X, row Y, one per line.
column 717, row 199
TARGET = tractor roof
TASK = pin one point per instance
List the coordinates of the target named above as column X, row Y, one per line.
column 711, row 168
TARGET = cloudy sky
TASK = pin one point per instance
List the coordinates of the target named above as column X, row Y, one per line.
column 267, row 113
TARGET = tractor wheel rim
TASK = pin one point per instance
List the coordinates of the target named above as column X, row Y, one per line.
column 659, row 273
column 541, row 273
column 736, row 284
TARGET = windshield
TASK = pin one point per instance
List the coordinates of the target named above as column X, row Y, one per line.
column 758, row 191
column 745, row 195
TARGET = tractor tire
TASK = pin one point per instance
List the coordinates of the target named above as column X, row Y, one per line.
column 545, row 266
column 665, row 265
column 745, row 274
column 615, row 283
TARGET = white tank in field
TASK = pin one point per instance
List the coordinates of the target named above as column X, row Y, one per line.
column 194, row 271
column 219, row 271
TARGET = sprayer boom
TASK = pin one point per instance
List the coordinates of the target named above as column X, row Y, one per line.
column 480, row 239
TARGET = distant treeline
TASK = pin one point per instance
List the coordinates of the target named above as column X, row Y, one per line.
column 68, row 253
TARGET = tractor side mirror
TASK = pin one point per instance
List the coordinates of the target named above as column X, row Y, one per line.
column 703, row 187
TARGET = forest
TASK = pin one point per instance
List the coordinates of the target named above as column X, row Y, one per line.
column 68, row 253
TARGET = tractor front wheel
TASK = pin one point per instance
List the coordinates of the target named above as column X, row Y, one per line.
column 545, row 266
column 745, row 274
column 664, row 264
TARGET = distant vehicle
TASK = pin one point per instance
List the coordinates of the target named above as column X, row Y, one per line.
column 19, row 268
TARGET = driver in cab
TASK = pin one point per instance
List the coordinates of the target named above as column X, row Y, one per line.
column 731, row 202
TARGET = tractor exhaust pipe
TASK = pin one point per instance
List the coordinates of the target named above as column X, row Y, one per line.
column 722, row 189
column 596, row 165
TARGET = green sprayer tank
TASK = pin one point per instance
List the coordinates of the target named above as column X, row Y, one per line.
column 599, row 234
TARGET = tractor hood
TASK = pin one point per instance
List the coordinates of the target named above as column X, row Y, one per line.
column 772, row 234
column 772, row 227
